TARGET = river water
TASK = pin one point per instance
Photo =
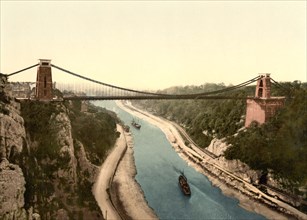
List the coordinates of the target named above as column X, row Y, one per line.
column 158, row 167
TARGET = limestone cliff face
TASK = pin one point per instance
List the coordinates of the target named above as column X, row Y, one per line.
column 12, row 131
column 59, row 166
column 61, row 124
column 12, row 140
column 12, row 188
column 72, row 148
column 237, row 167
column 217, row 147
column 44, row 172
column 243, row 171
column 86, row 167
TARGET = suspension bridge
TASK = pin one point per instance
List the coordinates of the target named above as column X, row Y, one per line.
column 98, row 90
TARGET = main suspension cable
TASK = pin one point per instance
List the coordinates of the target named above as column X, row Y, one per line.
column 19, row 71
column 231, row 88
column 280, row 86
column 102, row 83
column 160, row 94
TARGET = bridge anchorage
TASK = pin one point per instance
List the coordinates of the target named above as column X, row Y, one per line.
column 259, row 108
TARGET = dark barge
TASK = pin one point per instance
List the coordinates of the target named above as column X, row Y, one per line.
column 183, row 183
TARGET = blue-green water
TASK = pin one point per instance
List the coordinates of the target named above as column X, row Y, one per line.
column 158, row 167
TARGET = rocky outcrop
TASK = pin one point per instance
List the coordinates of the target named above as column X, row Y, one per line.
column 86, row 167
column 71, row 148
column 12, row 134
column 44, row 172
column 69, row 171
column 12, row 140
column 12, row 131
column 5, row 94
column 61, row 124
column 244, row 172
column 12, row 188
column 217, row 147
column 240, row 169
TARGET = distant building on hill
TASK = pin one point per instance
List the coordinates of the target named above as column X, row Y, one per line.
column 22, row 89
column 262, row 107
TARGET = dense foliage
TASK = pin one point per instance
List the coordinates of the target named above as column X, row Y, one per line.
column 96, row 130
column 42, row 160
column 203, row 119
column 37, row 121
column 279, row 145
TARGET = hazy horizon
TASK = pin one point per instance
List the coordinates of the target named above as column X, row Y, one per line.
column 154, row 44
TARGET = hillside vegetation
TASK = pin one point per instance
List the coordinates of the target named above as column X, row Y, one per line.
column 96, row 130
column 279, row 145
column 203, row 119
column 55, row 180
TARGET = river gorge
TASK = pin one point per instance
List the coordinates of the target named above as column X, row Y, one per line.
column 158, row 166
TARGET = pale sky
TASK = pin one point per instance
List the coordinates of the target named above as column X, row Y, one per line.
column 156, row 44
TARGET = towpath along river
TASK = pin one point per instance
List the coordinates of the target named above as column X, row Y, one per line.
column 106, row 177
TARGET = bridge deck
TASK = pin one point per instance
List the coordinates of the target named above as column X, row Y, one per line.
column 143, row 97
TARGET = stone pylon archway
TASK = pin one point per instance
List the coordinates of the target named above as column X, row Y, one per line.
column 43, row 90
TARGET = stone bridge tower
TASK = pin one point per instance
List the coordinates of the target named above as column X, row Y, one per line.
column 262, row 107
column 43, row 90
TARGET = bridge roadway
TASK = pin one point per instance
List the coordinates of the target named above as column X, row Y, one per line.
column 153, row 97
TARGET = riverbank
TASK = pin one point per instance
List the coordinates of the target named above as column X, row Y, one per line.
column 117, row 193
column 126, row 193
column 249, row 196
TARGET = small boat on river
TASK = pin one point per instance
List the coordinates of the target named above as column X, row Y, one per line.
column 135, row 124
column 183, row 183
